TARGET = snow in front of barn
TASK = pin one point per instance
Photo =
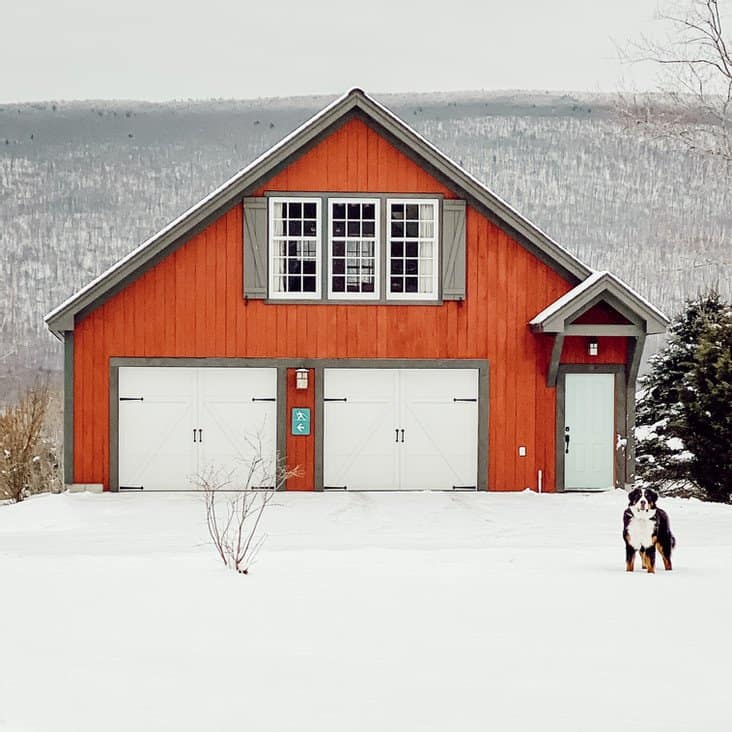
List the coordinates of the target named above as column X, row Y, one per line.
column 427, row 611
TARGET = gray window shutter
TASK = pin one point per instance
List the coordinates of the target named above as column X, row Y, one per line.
column 453, row 249
column 255, row 248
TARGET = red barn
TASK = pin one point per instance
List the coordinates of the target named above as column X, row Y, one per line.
column 357, row 304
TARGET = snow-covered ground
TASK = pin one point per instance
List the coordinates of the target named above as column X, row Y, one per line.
column 363, row 612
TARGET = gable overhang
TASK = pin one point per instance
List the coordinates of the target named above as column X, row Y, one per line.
column 559, row 316
column 355, row 103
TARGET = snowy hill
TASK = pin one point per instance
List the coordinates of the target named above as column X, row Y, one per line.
column 83, row 183
column 422, row 612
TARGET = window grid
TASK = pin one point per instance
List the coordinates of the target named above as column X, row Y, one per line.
column 412, row 249
column 354, row 248
column 295, row 248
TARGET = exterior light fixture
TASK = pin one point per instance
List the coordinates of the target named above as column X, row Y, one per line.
column 301, row 379
column 592, row 347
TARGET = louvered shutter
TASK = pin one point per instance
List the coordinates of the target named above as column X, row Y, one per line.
column 255, row 248
column 453, row 249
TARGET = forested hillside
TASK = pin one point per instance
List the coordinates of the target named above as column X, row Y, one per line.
column 83, row 183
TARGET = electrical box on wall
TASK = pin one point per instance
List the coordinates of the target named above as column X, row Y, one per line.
column 522, row 451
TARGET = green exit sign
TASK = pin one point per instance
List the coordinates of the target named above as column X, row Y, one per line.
column 300, row 420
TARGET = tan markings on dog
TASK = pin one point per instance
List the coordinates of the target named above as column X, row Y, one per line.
column 643, row 559
column 629, row 565
column 666, row 560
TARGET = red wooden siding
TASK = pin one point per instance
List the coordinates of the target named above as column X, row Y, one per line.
column 603, row 314
column 191, row 304
column 610, row 349
column 300, row 448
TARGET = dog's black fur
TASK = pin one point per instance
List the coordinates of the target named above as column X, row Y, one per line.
column 645, row 529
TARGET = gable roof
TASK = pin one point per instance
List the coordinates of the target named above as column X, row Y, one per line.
column 355, row 102
column 599, row 286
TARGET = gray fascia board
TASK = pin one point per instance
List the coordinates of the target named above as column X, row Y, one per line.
column 655, row 321
column 232, row 191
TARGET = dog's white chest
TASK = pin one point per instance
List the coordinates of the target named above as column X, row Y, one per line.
column 640, row 531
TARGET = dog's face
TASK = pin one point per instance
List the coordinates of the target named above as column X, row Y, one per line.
column 642, row 502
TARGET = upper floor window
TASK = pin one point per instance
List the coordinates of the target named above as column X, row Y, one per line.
column 412, row 247
column 353, row 248
column 294, row 270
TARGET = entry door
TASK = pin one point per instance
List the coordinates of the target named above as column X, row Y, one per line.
column 177, row 424
column 400, row 429
column 589, row 431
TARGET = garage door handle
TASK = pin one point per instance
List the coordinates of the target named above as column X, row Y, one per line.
column 402, row 435
column 396, row 435
column 194, row 434
column 566, row 440
column 200, row 435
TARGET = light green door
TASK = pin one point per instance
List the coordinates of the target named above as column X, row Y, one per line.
column 589, row 431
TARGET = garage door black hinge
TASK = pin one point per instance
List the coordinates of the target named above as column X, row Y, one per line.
column 335, row 487
column 132, row 487
column 465, row 487
column 132, row 399
column 264, row 399
column 333, row 399
column 457, row 399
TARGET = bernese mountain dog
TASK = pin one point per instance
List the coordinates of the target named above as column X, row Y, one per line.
column 645, row 529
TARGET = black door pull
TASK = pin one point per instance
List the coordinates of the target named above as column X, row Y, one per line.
column 566, row 440
column 396, row 435
column 200, row 435
column 194, row 434
column 402, row 435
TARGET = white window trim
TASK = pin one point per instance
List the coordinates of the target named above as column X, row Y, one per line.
column 377, row 251
column 317, row 295
column 435, row 294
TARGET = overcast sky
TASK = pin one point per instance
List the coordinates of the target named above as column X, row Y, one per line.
column 172, row 49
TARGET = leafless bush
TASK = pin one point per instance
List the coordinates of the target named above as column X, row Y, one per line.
column 233, row 519
column 29, row 461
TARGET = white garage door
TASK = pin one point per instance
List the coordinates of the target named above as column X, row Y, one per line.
column 178, row 424
column 400, row 429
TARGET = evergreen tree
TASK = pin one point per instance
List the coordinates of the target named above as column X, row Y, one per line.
column 685, row 412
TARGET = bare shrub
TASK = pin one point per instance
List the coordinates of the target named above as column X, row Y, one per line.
column 234, row 512
column 28, row 449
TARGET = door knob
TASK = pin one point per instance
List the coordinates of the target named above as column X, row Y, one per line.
column 566, row 440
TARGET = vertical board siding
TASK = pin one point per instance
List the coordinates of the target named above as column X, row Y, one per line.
column 191, row 305
column 300, row 449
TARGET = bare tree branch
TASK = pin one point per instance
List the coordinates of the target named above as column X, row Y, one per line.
column 235, row 535
column 694, row 102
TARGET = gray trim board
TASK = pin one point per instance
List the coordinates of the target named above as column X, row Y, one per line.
column 635, row 353
column 557, row 346
column 602, row 330
column 68, row 407
column 620, row 417
column 354, row 103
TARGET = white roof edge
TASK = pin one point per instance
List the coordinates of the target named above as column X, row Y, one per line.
column 555, row 307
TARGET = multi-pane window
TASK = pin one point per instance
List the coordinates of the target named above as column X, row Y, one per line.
column 354, row 248
column 372, row 248
column 412, row 249
column 295, row 248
